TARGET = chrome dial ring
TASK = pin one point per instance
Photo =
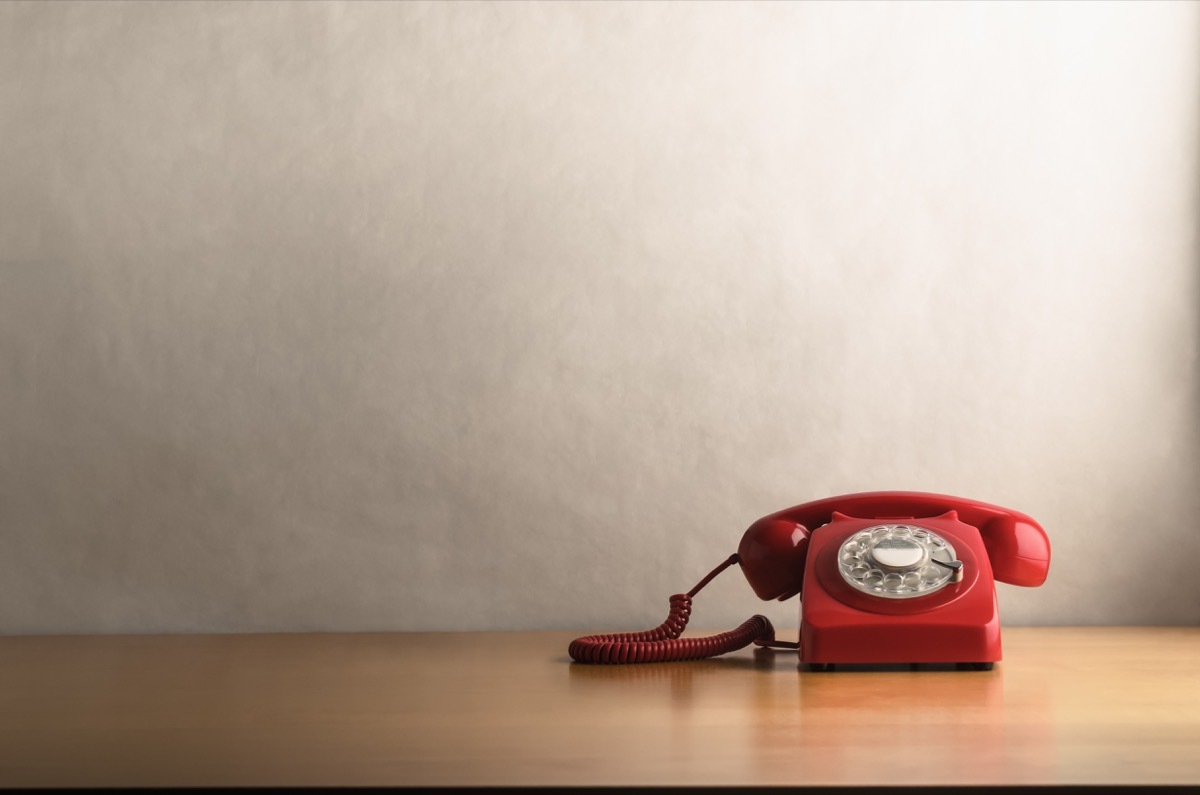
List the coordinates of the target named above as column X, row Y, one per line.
column 896, row 561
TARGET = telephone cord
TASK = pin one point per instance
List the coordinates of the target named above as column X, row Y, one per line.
column 663, row 644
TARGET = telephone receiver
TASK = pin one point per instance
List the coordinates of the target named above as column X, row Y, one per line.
column 885, row 577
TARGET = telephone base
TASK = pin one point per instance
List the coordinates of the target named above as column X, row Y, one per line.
column 957, row 625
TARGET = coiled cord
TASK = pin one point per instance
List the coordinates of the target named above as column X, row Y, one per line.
column 663, row 644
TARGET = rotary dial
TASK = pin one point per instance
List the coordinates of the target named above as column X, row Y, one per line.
column 898, row 561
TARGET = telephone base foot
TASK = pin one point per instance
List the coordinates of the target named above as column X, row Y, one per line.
column 979, row 666
column 818, row 668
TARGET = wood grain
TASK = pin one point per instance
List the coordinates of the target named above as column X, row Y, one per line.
column 1066, row 706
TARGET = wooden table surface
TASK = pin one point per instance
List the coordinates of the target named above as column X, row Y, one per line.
column 1066, row 706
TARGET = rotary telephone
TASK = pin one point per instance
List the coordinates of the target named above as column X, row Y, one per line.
column 885, row 577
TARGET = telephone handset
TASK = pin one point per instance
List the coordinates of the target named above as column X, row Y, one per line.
column 884, row 577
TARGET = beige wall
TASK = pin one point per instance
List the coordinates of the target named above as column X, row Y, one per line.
column 455, row 316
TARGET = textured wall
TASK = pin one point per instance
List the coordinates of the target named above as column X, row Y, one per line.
column 454, row 316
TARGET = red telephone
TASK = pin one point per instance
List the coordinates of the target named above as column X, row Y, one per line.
column 885, row 577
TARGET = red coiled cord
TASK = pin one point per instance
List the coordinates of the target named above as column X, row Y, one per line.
column 663, row 644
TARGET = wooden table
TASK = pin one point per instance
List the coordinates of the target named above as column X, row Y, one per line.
column 1066, row 706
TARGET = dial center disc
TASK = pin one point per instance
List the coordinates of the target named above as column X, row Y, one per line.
column 898, row 553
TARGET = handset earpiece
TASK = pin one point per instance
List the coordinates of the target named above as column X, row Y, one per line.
column 773, row 552
column 1018, row 549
